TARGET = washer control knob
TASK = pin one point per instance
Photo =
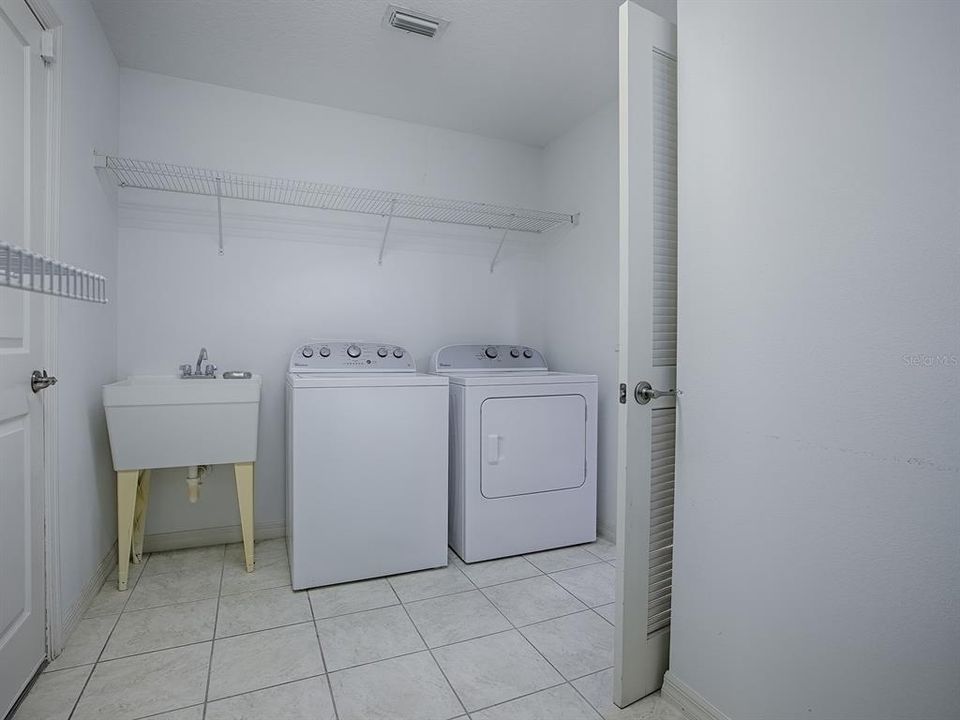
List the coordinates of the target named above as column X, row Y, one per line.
column 490, row 352
column 307, row 352
column 398, row 353
column 353, row 351
column 514, row 353
column 382, row 352
column 528, row 353
column 324, row 351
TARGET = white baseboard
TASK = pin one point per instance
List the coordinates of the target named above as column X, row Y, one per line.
column 72, row 615
column 691, row 703
column 158, row 542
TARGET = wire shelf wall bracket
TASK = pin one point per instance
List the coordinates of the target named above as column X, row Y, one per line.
column 386, row 231
column 493, row 262
column 151, row 175
column 23, row 269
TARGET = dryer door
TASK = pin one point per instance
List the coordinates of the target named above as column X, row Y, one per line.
column 532, row 444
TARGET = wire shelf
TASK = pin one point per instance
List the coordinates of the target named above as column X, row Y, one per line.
column 26, row 270
column 149, row 175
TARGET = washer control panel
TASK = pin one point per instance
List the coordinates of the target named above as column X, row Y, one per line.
column 350, row 356
column 487, row 357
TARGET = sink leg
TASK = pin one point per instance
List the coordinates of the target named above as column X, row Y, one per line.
column 126, row 501
column 140, row 515
column 244, row 475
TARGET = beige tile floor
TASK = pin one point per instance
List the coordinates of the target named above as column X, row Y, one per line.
column 197, row 638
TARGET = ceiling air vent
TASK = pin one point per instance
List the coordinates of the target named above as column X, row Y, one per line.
column 413, row 21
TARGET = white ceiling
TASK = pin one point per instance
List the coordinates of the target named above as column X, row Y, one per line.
column 523, row 70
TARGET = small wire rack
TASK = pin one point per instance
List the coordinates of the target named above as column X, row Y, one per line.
column 150, row 175
column 26, row 270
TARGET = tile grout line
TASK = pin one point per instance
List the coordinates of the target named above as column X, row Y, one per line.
column 184, row 645
column 403, row 604
column 323, row 659
column 517, row 630
column 185, row 602
column 584, row 697
column 164, row 712
column 601, row 616
column 106, row 642
column 591, row 609
column 248, row 692
column 427, row 646
column 213, row 641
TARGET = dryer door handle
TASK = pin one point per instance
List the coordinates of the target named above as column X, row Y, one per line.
column 493, row 449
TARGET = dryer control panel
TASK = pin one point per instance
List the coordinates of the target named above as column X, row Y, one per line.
column 350, row 356
column 486, row 357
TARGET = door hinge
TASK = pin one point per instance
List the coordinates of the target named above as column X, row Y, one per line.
column 623, row 393
column 46, row 47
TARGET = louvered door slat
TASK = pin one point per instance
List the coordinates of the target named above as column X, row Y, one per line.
column 665, row 210
column 663, row 431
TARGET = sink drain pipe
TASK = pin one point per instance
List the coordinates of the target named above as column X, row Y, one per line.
column 194, row 475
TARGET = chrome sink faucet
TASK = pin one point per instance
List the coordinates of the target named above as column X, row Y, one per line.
column 210, row 371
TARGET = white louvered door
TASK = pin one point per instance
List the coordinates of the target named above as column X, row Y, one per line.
column 648, row 349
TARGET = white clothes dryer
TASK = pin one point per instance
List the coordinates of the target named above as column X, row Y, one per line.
column 523, row 451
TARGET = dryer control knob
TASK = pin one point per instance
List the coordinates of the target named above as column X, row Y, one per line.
column 514, row 353
column 398, row 353
column 307, row 352
column 353, row 351
column 528, row 354
column 490, row 352
column 324, row 351
column 382, row 352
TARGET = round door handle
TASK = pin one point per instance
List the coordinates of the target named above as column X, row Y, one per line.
column 644, row 393
column 40, row 380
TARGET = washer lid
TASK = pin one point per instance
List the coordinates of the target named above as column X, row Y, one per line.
column 490, row 358
column 298, row 380
column 350, row 356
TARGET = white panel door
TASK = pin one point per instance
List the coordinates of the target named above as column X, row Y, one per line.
column 648, row 349
column 532, row 444
column 22, row 172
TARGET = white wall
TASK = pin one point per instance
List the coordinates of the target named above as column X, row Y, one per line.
column 580, row 273
column 87, row 338
column 818, row 491
column 291, row 275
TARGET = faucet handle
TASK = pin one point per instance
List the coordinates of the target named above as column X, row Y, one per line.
column 210, row 370
column 186, row 369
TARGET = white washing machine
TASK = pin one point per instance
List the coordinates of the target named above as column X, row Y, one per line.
column 523, row 451
column 366, row 463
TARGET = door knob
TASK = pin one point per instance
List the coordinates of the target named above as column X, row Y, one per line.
column 40, row 380
column 644, row 393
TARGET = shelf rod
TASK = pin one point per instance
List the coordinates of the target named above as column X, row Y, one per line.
column 386, row 231
column 219, row 216
column 499, row 248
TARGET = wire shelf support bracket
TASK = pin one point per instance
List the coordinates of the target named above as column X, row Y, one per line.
column 219, row 218
column 23, row 269
column 386, row 231
column 151, row 175
column 493, row 262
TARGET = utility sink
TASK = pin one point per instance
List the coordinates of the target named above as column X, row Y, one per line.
column 164, row 421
